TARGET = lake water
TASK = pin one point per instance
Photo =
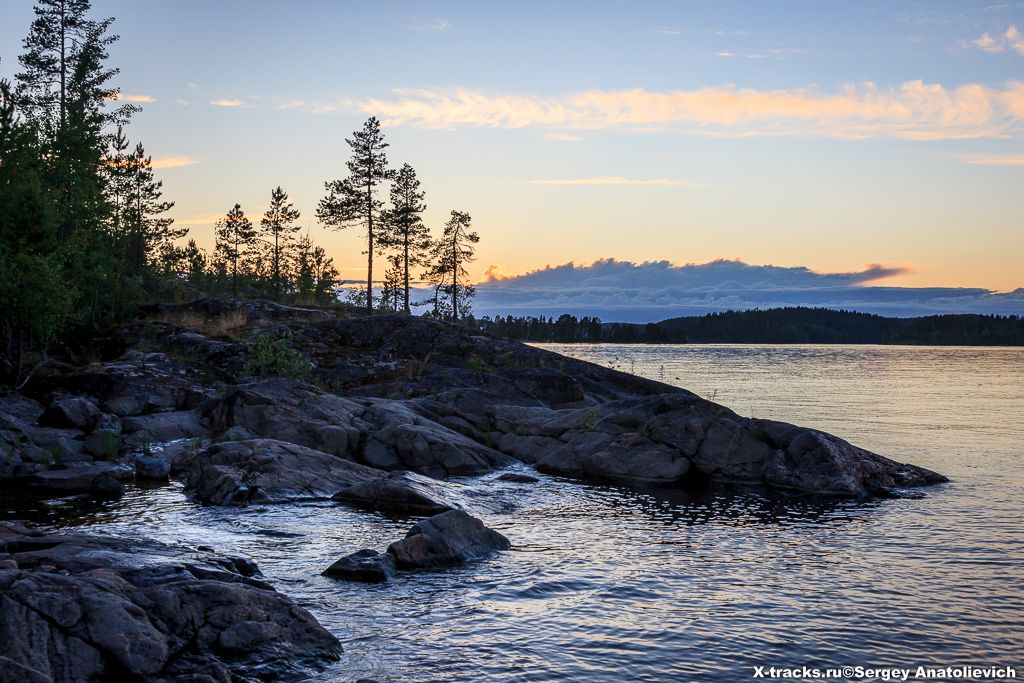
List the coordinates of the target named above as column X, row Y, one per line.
column 612, row 584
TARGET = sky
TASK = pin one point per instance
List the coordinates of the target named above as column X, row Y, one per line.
column 874, row 138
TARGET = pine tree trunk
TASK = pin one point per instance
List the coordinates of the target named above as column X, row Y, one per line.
column 406, row 257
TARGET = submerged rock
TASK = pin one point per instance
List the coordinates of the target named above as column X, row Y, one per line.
column 518, row 478
column 449, row 539
column 446, row 540
column 76, row 608
column 365, row 566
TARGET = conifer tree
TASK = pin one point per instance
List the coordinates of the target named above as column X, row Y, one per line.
column 234, row 239
column 149, row 232
column 448, row 272
column 404, row 228
column 278, row 226
column 353, row 201
column 64, row 92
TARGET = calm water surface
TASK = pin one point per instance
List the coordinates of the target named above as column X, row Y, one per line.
column 611, row 584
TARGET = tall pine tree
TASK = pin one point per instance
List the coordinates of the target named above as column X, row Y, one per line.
column 404, row 228
column 448, row 272
column 278, row 227
column 353, row 202
column 235, row 237
column 148, row 232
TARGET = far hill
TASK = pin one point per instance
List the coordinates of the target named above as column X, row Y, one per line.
column 798, row 325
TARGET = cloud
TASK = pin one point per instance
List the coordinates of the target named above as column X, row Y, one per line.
column 725, row 54
column 182, row 101
column 174, row 162
column 643, row 292
column 993, row 159
column 564, row 137
column 1011, row 39
column 227, row 103
column 668, row 31
column 617, row 180
column 914, row 110
column 430, row 25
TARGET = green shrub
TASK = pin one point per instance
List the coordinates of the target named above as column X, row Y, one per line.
column 273, row 356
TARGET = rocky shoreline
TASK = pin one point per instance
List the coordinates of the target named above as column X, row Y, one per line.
column 372, row 412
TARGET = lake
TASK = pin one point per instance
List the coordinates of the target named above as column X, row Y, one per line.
column 611, row 584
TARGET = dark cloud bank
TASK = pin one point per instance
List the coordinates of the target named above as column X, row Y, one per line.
column 621, row 291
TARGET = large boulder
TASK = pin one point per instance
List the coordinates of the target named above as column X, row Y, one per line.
column 380, row 433
column 668, row 439
column 169, row 426
column 76, row 412
column 270, row 471
column 446, row 540
column 77, row 608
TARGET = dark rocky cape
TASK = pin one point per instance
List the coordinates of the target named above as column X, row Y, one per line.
column 386, row 409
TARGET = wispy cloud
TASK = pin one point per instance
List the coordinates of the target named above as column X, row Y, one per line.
column 668, row 31
column 617, row 180
column 564, row 137
column 137, row 99
column 429, row 25
column 913, row 110
column 993, row 159
column 1011, row 39
column 174, row 162
column 182, row 101
column 227, row 103
column 208, row 219
column 724, row 54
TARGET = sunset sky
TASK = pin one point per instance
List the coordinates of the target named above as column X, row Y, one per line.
column 823, row 135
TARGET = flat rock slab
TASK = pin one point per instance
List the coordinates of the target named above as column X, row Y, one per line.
column 403, row 493
column 103, row 478
column 270, row 471
column 76, row 608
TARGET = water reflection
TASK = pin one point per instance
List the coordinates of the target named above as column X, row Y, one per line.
column 607, row 583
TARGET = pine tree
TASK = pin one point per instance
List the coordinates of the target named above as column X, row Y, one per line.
column 448, row 272
column 278, row 227
column 149, row 234
column 391, row 287
column 353, row 201
column 235, row 237
column 64, row 91
column 404, row 228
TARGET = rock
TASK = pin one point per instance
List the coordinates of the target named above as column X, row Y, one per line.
column 269, row 471
column 103, row 443
column 79, row 608
column 446, row 540
column 366, row 566
column 399, row 493
column 156, row 469
column 169, row 426
column 74, row 412
column 102, row 478
column 518, row 478
column 382, row 434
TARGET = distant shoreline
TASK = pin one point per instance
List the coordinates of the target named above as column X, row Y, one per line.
column 791, row 325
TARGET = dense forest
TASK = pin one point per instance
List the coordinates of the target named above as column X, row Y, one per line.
column 773, row 326
column 85, row 231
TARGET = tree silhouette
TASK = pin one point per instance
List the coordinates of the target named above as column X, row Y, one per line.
column 451, row 252
column 404, row 228
column 353, row 202
column 278, row 226
column 235, row 237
